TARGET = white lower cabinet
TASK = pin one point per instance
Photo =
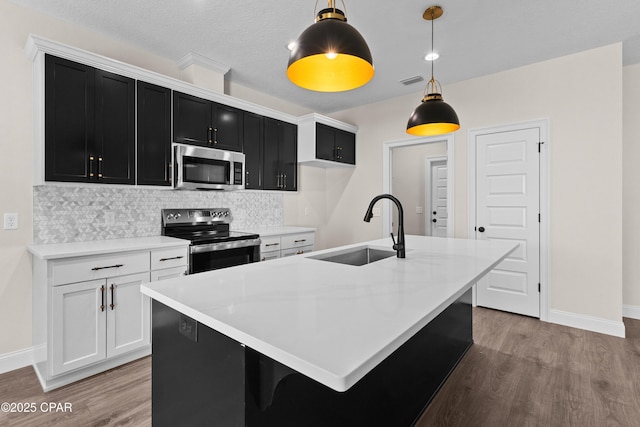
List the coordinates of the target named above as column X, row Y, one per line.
column 276, row 246
column 88, row 312
column 98, row 319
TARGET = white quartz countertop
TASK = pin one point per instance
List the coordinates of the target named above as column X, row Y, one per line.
column 98, row 247
column 282, row 230
column 333, row 322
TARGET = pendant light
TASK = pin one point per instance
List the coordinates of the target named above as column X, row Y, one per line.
column 433, row 116
column 330, row 55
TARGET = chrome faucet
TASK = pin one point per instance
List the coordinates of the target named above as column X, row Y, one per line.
column 399, row 246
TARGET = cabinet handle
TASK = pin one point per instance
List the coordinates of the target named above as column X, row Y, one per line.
column 299, row 252
column 215, row 135
column 271, row 244
column 112, row 305
column 285, row 180
column 278, row 184
column 109, row 266
column 170, row 172
column 210, row 135
column 174, row 257
column 300, row 241
column 246, row 180
column 92, row 166
column 102, row 289
column 339, row 153
column 99, row 167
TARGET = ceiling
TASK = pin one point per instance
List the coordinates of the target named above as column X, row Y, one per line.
column 474, row 38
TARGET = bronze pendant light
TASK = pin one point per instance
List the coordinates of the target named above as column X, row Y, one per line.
column 330, row 55
column 433, row 116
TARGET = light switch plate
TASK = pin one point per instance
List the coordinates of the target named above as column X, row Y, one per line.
column 419, row 209
column 10, row 221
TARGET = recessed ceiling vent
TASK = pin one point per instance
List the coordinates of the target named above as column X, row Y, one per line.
column 411, row 80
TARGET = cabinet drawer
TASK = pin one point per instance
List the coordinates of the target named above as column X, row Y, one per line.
column 269, row 244
column 296, row 251
column 168, row 273
column 266, row 256
column 297, row 240
column 167, row 258
column 79, row 269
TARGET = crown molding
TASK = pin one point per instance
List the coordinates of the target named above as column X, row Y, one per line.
column 193, row 58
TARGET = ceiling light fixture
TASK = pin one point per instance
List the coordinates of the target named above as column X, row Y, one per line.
column 330, row 55
column 433, row 116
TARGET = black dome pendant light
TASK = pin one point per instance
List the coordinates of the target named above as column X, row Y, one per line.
column 330, row 55
column 433, row 116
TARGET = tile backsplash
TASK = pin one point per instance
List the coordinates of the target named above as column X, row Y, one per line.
column 73, row 214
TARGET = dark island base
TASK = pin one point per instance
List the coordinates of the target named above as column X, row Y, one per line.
column 217, row 381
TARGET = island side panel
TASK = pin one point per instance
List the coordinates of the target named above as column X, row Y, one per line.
column 218, row 381
column 197, row 375
column 395, row 393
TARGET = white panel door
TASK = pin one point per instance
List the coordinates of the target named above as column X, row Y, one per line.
column 78, row 325
column 438, row 190
column 507, row 208
column 128, row 314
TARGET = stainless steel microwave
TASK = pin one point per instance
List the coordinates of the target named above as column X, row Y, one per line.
column 200, row 168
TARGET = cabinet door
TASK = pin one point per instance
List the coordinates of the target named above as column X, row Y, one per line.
column 253, row 141
column 69, row 120
column 288, row 156
column 271, row 167
column 345, row 146
column 227, row 127
column 115, row 128
column 128, row 314
column 192, row 119
column 154, row 135
column 78, row 328
column 325, row 142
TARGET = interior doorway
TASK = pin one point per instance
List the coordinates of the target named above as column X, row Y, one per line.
column 404, row 176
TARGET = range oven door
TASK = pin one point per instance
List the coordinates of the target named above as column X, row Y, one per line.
column 213, row 256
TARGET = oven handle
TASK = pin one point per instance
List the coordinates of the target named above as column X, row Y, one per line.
column 221, row 246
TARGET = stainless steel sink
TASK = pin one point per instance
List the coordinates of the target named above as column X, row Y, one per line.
column 355, row 256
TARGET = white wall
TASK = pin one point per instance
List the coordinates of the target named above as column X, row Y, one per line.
column 581, row 94
column 631, row 191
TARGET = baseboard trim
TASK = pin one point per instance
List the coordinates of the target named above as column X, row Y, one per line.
column 589, row 323
column 631, row 311
column 16, row 360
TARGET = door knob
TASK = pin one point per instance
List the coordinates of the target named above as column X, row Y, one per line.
column 481, row 229
column 434, row 220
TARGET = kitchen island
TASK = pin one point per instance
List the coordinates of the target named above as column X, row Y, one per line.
column 307, row 341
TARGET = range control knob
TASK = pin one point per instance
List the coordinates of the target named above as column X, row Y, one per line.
column 177, row 215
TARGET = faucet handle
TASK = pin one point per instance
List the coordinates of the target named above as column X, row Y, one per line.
column 395, row 245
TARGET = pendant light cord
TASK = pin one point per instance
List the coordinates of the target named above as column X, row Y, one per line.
column 432, row 19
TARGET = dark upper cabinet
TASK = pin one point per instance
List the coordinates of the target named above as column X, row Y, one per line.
column 69, row 120
column 154, row 135
column 115, row 128
column 89, row 124
column 253, row 142
column 335, row 145
column 280, row 155
column 202, row 122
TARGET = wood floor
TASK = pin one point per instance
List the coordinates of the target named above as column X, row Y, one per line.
column 519, row 372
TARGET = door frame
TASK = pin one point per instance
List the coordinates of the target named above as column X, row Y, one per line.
column 545, row 196
column 428, row 197
column 387, row 166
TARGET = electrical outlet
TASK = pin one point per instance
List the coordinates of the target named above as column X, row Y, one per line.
column 11, row 221
column 419, row 209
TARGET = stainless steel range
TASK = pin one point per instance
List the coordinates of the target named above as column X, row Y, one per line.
column 213, row 245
